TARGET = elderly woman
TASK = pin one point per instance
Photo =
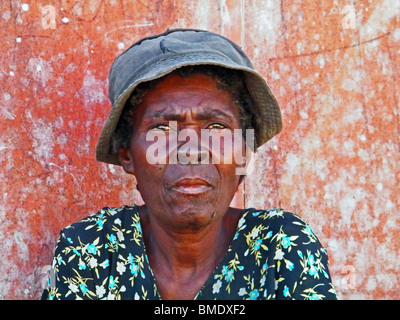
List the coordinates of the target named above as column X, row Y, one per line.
column 186, row 242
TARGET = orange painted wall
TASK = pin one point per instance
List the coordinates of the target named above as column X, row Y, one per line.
column 333, row 65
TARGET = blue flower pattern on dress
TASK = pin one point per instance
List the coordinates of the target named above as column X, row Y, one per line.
column 273, row 255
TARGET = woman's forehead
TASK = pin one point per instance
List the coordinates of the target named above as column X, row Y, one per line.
column 175, row 95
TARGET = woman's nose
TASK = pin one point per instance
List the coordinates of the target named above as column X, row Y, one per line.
column 192, row 152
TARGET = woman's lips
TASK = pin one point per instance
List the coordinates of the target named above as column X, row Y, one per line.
column 191, row 186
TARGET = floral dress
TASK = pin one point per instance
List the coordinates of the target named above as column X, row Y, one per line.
column 274, row 255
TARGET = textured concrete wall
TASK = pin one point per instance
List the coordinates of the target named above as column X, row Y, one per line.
column 333, row 65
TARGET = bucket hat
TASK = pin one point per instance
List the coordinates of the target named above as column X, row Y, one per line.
column 156, row 56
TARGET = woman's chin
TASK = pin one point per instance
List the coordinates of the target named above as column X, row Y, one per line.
column 191, row 220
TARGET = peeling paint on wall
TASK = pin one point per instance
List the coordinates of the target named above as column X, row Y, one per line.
column 334, row 67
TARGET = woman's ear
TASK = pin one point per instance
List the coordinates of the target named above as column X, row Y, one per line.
column 126, row 160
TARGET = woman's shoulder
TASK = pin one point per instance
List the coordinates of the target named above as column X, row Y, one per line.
column 277, row 221
column 287, row 244
column 272, row 217
column 106, row 221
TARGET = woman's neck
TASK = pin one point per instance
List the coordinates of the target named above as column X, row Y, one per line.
column 187, row 258
column 188, row 249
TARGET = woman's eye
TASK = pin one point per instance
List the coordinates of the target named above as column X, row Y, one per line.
column 162, row 127
column 218, row 126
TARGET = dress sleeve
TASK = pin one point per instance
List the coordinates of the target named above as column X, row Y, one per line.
column 302, row 264
column 70, row 277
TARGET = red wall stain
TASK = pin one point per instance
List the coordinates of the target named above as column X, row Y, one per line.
column 333, row 66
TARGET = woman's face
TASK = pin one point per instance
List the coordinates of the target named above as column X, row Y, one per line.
column 183, row 196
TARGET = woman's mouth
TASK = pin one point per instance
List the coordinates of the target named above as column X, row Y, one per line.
column 191, row 186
